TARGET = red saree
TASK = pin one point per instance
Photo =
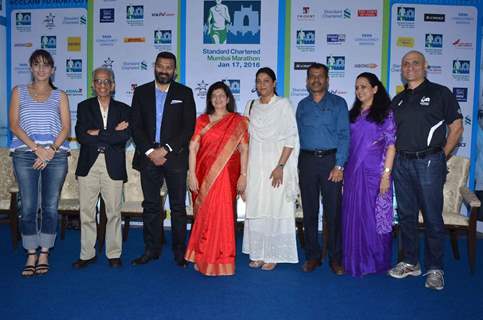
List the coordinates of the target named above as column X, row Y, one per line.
column 212, row 241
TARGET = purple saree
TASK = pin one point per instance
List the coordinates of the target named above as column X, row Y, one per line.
column 366, row 214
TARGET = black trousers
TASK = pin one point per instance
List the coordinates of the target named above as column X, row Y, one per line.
column 313, row 178
column 152, row 178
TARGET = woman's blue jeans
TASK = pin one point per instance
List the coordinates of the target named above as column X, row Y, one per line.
column 39, row 189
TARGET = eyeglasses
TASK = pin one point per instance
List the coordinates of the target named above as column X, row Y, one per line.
column 106, row 82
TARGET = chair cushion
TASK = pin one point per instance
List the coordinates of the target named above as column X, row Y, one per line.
column 70, row 189
column 451, row 218
column 457, row 177
column 6, row 172
column 4, row 204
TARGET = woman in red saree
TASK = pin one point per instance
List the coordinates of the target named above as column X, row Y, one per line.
column 217, row 172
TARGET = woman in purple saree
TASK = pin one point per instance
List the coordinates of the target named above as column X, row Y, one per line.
column 367, row 210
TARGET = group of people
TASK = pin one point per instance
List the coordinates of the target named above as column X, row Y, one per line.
column 268, row 156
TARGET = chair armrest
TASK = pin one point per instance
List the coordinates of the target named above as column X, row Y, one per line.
column 470, row 198
column 13, row 188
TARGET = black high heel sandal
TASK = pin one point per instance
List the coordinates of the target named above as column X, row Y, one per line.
column 42, row 268
column 29, row 269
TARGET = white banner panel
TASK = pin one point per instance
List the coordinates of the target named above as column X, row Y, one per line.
column 62, row 32
column 229, row 41
column 127, row 37
column 345, row 35
column 447, row 37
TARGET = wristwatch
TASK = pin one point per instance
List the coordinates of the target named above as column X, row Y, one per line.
column 339, row 168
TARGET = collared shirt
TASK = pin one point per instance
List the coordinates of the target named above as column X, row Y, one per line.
column 103, row 114
column 422, row 114
column 160, row 100
column 324, row 125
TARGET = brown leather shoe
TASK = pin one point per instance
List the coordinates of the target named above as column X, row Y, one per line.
column 311, row 264
column 336, row 268
column 79, row 264
column 115, row 262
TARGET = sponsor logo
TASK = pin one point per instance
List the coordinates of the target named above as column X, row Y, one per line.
column 22, row 68
column 336, row 39
column 461, row 94
column 425, row 101
column 433, row 40
column 337, row 92
column 336, row 14
column 23, row 45
column 234, row 86
column 434, row 17
column 305, row 14
column 302, row 65
column 134, row 65
column 74, row 44
column 406, row 14
column 396, row 68
column 460, row 44
column 336, row 65
column 365, row 65
column 305, row 37
column 23, row 19
column 461, row 67
column 134, row 40
column 106, row 15
column 48, row 42
column 463, row 18
column 468, row 120
column 201, row 89
column 163, row 14
column 135, row 15
column 73, row 65
column 434, row 69
column 407, row 42
column 74, row 92
column 162, row 37
column 366, row 39
column 297, row 92
column 106, row 40
column 108, row 63
column 75, row 20
column 367, row 13
column 49, row 21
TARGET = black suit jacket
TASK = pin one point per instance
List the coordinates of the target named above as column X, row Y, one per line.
column 177, row 126
column 89, row 117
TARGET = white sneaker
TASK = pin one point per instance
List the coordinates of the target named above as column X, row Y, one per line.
column 403, row 269
column 434, row 279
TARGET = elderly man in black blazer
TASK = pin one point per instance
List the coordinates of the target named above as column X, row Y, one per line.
column 163, row 121
column 102, row 130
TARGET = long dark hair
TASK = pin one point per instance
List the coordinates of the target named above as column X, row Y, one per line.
column 230, row 107
column 380, row 105
column 44, row 56
column 269, row 72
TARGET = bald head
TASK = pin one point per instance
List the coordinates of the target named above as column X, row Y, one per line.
column 413, row 68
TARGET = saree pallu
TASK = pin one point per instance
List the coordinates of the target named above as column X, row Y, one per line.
column 212, row 241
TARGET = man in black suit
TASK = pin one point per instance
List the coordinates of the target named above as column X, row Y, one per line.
column 163, row 121
column 102, row 131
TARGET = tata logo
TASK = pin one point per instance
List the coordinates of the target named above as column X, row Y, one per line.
column 433, row 40
column 306, row 37
column 336, row 63
column 48, row 42
column 134, row 13
column 23, row 19
column 162, row 37
column 106, row 15
column 425, row 101
column 461, row 67
column 406, row 14
column 73, row 65
column 234, row 85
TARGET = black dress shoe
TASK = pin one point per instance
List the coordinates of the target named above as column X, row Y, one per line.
column 181, row 262
column 115, row 262
column 311, row 264
column 337, row 268
column 79, row 264
column 145, row 258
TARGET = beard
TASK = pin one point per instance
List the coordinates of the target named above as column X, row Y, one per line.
column 164, row 78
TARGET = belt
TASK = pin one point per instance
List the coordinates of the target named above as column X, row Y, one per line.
column 318, row 152
column 101, row 149
column 419, row 154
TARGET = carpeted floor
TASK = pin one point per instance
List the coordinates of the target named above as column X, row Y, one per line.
column 161, row 290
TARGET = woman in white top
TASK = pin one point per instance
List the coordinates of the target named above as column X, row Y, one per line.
column 272, row 185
